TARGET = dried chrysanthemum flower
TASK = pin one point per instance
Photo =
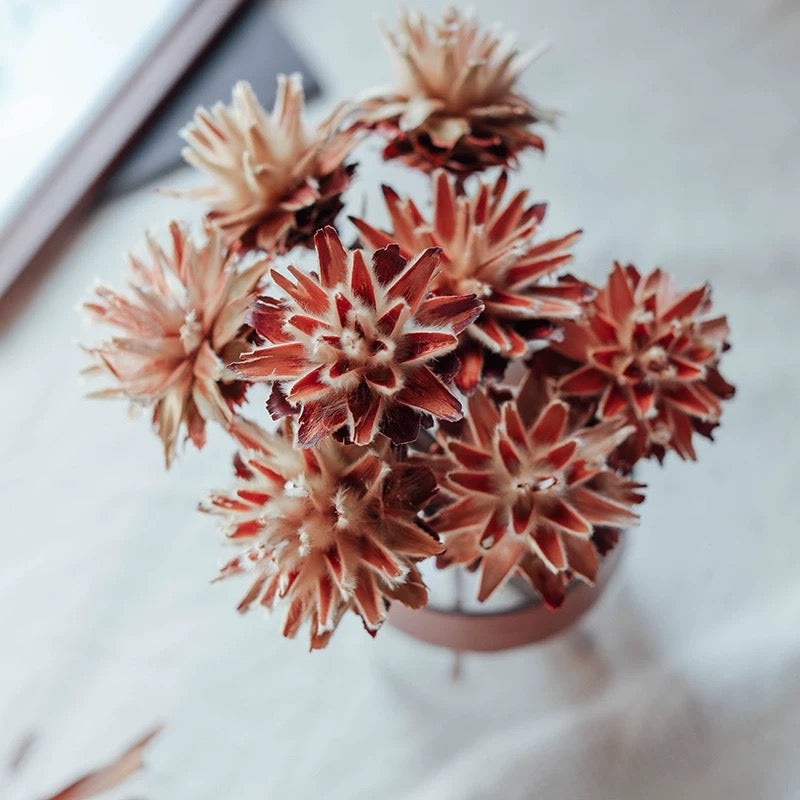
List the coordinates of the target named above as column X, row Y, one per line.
column 529, row 493
column 649, row 356
column 181, row 324
column 326, row 530
column 275, row 180
column 354, row 350
column 455, row 105
column 488, row 249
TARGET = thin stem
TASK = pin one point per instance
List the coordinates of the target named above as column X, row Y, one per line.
column 456, row 669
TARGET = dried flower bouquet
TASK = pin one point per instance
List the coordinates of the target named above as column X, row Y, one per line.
column 403, row 433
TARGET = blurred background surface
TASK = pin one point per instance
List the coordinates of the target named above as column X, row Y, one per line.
column 677, row 148
column 59, row 62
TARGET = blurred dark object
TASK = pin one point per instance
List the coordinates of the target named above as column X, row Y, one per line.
column 21, row 752
column 214, row 43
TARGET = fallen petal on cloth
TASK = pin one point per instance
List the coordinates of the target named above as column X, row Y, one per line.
column 112, row 774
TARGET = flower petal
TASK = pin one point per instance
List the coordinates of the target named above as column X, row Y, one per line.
column 277, row 362
column 360, row 280
column 498, row 565
column 563, row 515
column 413, row 284
column 549, row 427
column 332, row 257
column 457, row 311
column 425, row 391
column 424, row 345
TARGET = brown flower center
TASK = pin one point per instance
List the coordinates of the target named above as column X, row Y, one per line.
column 360, row 343
column 654, row 360
column 537, row 484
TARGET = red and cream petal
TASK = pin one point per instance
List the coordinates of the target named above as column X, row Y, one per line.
column 424, row 391
column 275, row 363
column 498, row 565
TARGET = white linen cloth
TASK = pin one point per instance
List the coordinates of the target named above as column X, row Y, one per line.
column 678, row 149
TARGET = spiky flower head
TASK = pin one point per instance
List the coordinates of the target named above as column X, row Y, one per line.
column 455, row 104
column 179, row 326
column 275, row 179
column 489, row 249
column 649, row 356
column 327, row 530
column 529, row 491
column 354, row 350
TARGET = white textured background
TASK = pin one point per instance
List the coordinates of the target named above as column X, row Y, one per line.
column 679, row 149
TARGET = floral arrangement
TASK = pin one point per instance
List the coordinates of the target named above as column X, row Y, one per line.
column 443, row 388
